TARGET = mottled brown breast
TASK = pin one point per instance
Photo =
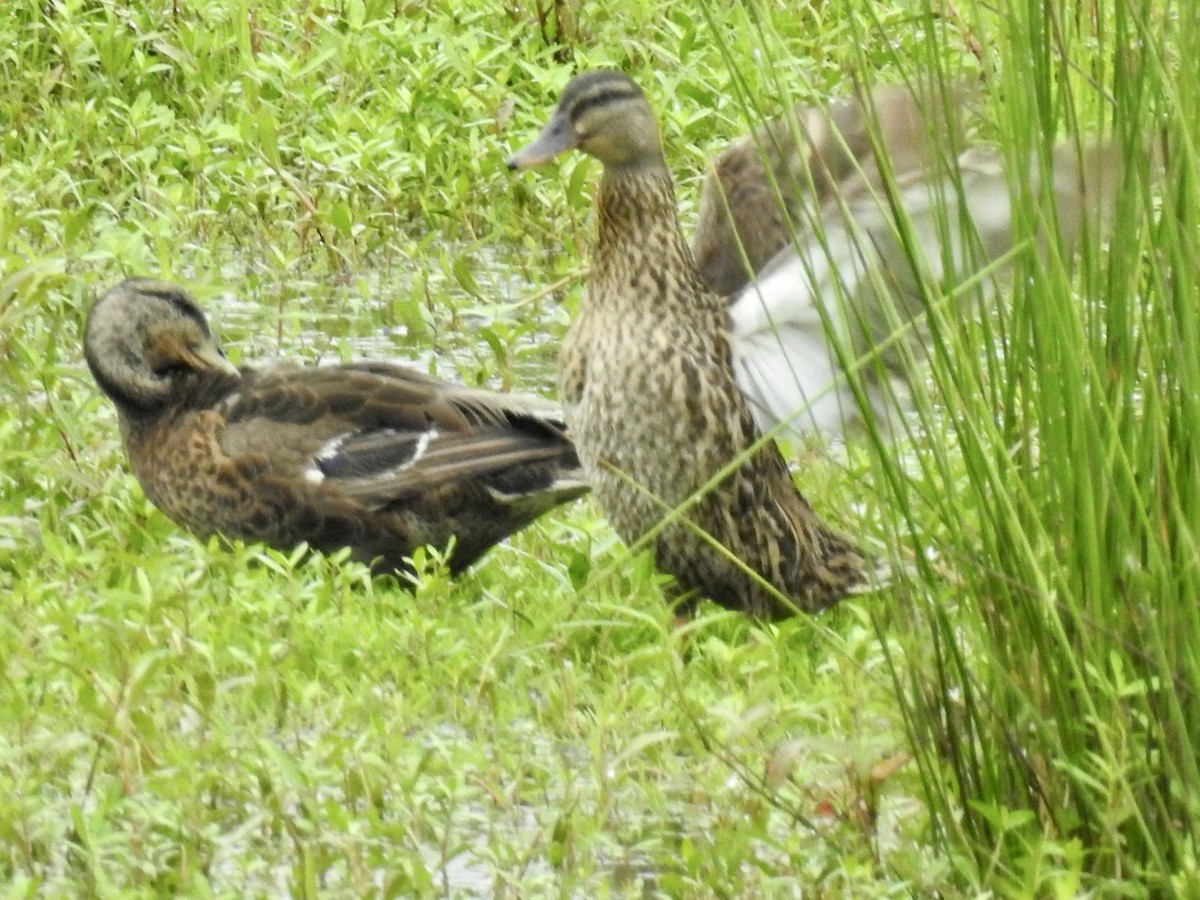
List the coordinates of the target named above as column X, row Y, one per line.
column 180, row 466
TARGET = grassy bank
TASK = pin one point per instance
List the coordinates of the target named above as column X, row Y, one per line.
column 1016, row 715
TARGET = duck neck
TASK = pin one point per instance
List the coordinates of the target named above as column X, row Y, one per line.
column 640, row 233
column 194, row 392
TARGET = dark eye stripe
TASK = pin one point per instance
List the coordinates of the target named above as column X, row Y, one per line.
column 601, row 98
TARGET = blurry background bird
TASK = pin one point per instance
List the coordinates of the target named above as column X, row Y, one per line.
column 827, row 226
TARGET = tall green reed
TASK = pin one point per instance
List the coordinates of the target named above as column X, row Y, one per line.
column 1047, row 502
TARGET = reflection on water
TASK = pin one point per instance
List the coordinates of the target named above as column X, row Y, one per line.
column 504, row 336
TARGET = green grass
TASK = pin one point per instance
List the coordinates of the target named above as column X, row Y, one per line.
column 183, row 718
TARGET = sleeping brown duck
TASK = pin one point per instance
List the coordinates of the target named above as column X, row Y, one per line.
column 370, row 456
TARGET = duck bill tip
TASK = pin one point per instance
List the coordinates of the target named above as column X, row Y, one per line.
column 529, row 157
column 557, row 137
column 208, row 359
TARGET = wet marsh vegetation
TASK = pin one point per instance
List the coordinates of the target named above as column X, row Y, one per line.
column 1016, row 716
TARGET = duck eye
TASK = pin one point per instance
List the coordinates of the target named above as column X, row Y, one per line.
column 169, row 368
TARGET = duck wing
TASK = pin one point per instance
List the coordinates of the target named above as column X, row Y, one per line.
column 855, row 285
column 380, row 434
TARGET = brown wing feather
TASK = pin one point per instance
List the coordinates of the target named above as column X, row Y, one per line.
column 381, row 433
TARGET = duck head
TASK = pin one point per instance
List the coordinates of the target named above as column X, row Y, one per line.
column 143, row 339
column 605, row 115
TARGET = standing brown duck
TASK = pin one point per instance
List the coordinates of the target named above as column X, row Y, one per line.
column 369, row 456
column 649, row 393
